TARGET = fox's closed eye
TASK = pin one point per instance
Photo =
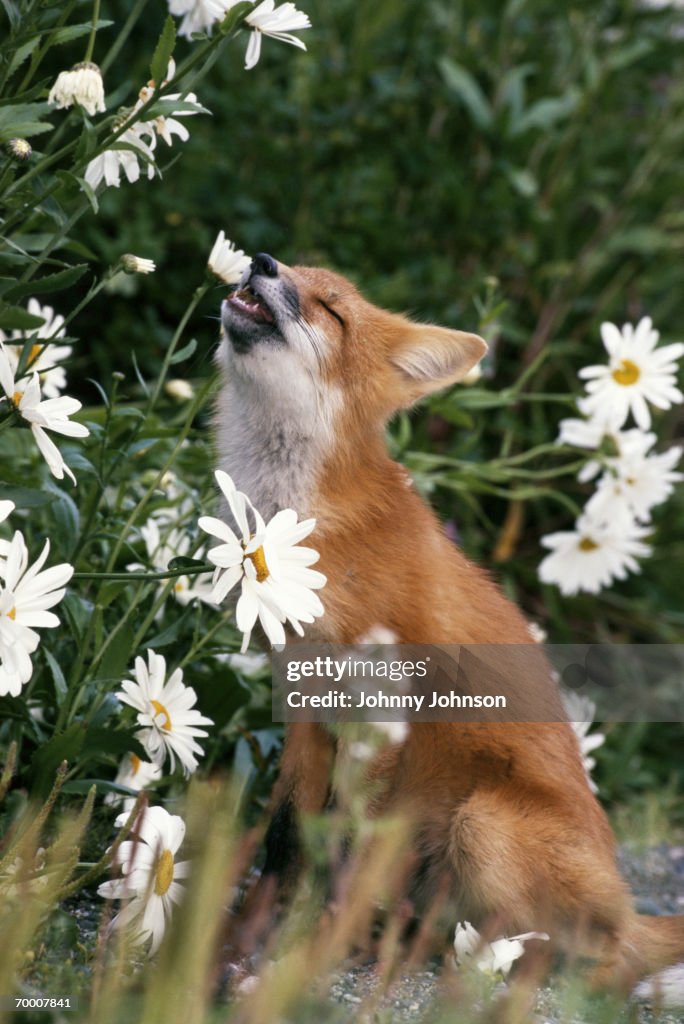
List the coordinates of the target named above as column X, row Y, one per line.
column 332, row 312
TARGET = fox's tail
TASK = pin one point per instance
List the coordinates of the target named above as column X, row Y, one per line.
column 654, row 950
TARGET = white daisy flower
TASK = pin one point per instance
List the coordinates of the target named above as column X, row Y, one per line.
column 43, row 359
column 266, row 20
column 583, row 433
column 490, row 957
column 137, row 264
column 165, row 713
column 638, row 373
column 227, row 262
column 277, row 583
column 26, row 594
column 165, row 125
column 51, row 414
column 82, row 85
column 108, row 166
column 581, row 711
column 199, row 15
column 134, row 774
column 634, row 482
column 161, row 550
column 592, row 555
column 150, row 874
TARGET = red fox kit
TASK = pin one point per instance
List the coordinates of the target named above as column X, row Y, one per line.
column 503, row 812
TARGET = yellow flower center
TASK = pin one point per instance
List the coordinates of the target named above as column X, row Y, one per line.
column 163, row 876
column 587, row 544
column 179, row 587
column 258, row 559
column 627, row 373
column 161, row 710
column 135, row 763
column 17, row 397
column 12, row 614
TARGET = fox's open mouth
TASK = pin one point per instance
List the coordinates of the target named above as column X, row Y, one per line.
column 246, row 302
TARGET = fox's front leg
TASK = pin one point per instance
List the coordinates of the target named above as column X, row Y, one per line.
column 303, row 787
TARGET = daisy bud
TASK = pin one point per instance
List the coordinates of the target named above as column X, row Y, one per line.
column 19, row 148
column 137, row 265
column 181, row 390
column 82, row 85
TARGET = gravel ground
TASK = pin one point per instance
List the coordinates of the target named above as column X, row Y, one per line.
column 656, row 878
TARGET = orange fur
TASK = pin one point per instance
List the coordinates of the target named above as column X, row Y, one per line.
column 503, row 812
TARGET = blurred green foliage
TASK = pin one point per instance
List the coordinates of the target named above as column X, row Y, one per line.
column 509, row 167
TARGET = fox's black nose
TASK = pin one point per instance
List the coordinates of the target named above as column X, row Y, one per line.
column 262, row 263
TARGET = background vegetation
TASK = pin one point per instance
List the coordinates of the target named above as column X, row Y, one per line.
column 509, row 167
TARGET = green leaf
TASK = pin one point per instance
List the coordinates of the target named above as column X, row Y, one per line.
column 112, row 741
column 24, row 130
column 21, row 53
column 50, row 283
column 546, row 113
column 25, row 497
column 77, row 612
column 467, row 89
column 163, row 50
column 15, row 112
column 184, row 353
column 183, row 562
column 71, row 32
column 172, row 632
column 57, row 677
column 119, row 653
column 16, row 318
column 109, row 591
column 64, row 746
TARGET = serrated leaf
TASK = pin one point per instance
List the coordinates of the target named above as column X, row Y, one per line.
column 184, row 353
column 162, row 52
column 70, row 32
column 21, row 53
column 50, row 283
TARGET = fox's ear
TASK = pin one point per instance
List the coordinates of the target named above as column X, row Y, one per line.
column 432, row 358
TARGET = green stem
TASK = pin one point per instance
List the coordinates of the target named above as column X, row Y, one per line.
column 194, row 302
column 167, row 574
column 54, row 242
column 93, row 32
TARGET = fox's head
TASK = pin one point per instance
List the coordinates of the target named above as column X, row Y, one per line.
column 295, row 333
column 312, row 369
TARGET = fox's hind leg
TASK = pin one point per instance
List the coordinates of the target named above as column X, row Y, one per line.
column 525, row 861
